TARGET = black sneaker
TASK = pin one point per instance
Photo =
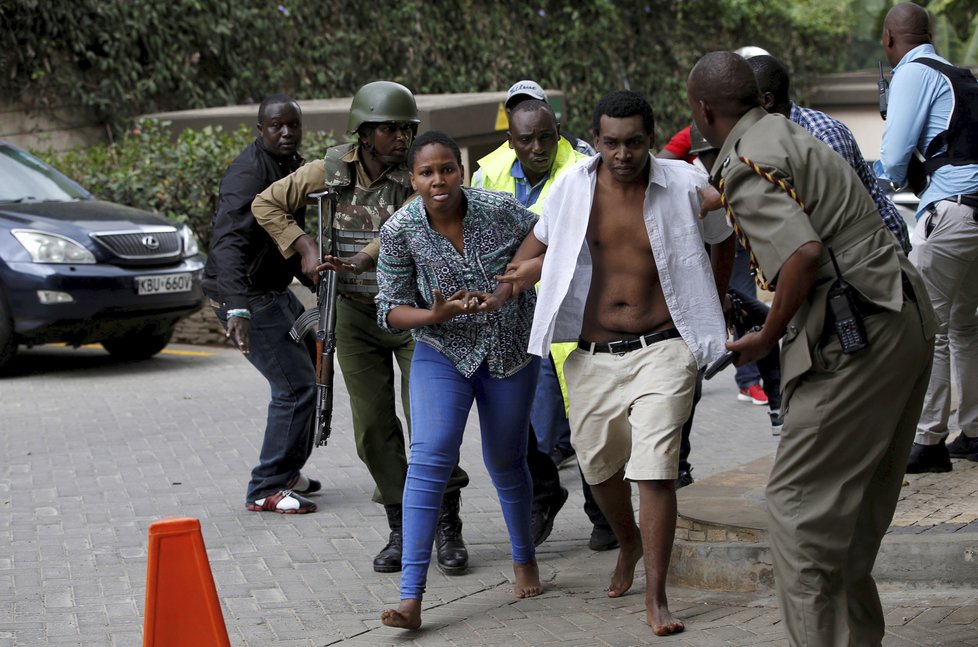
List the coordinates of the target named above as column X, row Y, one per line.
column 777, row 422
column 685, row 478
column 602, row 538
column 562, row 456
column 928, row 458
column 542, row 516
column 962, row 446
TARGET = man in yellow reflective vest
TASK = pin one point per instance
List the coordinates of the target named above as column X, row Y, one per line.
column 525, row 166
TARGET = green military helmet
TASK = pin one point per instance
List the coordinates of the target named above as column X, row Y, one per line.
column 697, row 142
column 382, row 101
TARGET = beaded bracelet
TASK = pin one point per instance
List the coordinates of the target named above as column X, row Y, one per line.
column 243, row 313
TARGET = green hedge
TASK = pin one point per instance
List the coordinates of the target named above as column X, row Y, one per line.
column 122, row 58
column 177, row 178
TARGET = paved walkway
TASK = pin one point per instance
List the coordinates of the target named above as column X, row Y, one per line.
column 93, row 451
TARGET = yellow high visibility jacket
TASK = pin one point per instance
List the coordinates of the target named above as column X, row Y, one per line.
column 496, row 167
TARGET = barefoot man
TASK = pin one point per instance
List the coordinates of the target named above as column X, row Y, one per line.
column 625, row 274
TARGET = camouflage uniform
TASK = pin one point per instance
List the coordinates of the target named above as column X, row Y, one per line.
column 362, row 348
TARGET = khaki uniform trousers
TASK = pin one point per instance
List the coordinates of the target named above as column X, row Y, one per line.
column 836, row 479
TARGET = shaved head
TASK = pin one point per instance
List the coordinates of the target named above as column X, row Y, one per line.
column 726, row 82
column 909, row 23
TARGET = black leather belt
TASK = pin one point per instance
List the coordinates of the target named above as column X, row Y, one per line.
column 966, row 200
column 622, row 346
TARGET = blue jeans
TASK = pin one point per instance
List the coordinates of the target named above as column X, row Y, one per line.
column 291, row 375
column 548, row 415
column 441, row 398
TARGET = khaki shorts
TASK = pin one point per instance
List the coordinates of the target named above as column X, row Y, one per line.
column 629, row 410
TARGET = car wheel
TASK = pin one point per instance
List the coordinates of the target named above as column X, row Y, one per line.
column 8, row 343
column 138, row 346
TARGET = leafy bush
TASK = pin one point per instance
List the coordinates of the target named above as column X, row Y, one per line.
column 177, row 178
column 121, row 58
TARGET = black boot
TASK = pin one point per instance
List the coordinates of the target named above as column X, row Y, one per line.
column 389, row 559
column 452, row 555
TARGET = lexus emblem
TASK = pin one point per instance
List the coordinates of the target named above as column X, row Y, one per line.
column 150, row 242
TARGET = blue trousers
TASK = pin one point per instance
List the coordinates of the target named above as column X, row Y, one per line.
column 548, row 415
column 291, row 373
column 441, row 398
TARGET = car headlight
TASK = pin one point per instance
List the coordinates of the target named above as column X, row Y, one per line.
column 51, row 248
column 190, row 245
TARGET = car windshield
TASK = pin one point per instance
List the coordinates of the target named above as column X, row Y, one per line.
column 24, row 178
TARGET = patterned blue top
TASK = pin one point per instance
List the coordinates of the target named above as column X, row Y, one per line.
column 415, row 259
column 837, row 136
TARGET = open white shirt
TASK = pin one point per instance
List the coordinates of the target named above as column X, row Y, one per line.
column 677, row 235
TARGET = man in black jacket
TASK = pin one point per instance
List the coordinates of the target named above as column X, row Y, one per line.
column 247, row 281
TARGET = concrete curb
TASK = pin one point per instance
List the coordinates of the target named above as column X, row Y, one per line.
column 722, row 540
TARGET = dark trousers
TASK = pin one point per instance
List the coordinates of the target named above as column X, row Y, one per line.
column 684, row 445
column 546, row 482
column 754, row 313
column 290, row 370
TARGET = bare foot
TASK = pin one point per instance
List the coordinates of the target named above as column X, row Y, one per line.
column 406, row 616
column 662, row 621
column 527, row 580
column 624, row 573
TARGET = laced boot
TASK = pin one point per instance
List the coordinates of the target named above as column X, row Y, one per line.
column 452, row 554
column 389, row 559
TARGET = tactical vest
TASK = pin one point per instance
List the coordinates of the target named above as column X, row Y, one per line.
column 359, row 214
column 961, row 135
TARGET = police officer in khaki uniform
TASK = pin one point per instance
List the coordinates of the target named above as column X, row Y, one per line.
column 372, row 181
column 849, row 417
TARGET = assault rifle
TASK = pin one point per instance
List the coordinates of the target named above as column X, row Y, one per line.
column 745, row 317
column 322, row 320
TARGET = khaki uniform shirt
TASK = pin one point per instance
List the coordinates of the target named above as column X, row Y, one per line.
column 273, row 206
column 362, row 207
column 838, row 212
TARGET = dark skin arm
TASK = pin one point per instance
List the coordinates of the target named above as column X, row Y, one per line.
column 523, row 271
column 795, row 280
column 308, row 249
column 711, row 200
column 721, row 260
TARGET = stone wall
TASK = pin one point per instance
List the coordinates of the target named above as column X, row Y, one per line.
column 55, row 127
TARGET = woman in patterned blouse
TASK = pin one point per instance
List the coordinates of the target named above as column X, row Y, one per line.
column 438, row 257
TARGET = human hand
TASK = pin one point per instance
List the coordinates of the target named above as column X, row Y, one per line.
column 308, row 250
column 710, row 200
column 239, row 332
column 521, row 275
column 753, row 346
column 460, row 303
column 349, row 264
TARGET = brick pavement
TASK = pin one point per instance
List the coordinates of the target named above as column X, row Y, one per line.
column 94, row 451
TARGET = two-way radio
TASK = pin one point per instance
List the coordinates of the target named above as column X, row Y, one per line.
column 844, row 306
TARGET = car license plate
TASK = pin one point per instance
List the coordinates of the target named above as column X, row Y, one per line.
column 164, row 283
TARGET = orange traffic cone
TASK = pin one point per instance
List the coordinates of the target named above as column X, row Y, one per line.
column 182, row 609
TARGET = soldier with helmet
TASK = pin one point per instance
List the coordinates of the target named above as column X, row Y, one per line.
column 372, row 182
